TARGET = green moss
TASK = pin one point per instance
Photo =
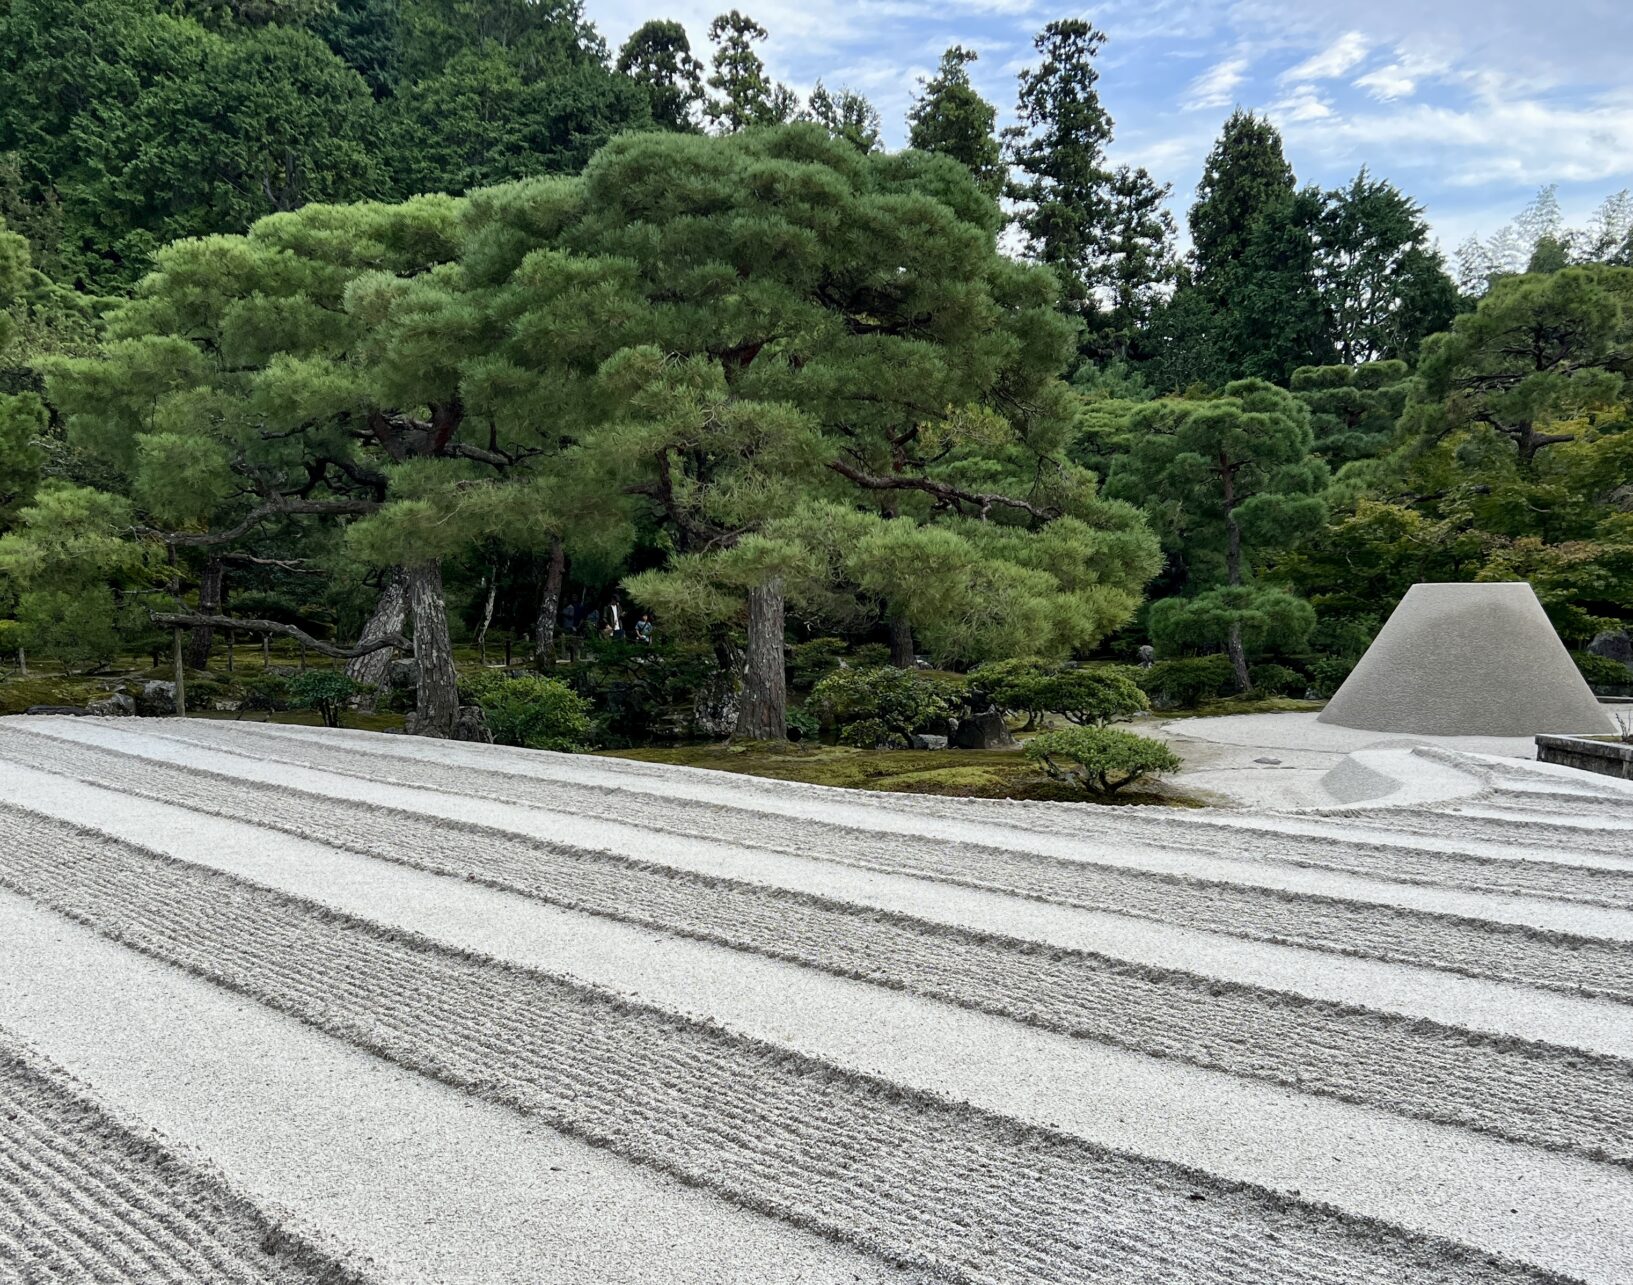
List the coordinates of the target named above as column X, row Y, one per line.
column 17, row 694
column 976, row 774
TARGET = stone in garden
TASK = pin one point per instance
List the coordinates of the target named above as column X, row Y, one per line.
column 74, row 710
column 157, row 699
column 1467, row 660
column 116, row 705
column 984, row 732
column 925, row 741
column 1616, row 646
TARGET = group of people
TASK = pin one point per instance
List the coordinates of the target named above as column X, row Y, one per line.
column 610, row 624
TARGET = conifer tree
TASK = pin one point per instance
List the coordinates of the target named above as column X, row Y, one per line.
column 745, row 95
column 846, row 115
column 1057, row 156
column 949, row 117
column 658, row 57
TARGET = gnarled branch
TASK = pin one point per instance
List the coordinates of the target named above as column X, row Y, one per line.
column 169, row 620
column 943, row 491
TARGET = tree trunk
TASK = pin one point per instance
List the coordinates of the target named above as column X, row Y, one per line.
column 763, row 713
column 487, row 614
column 901, row 643
column 22, row 662
column 544, row 624
column 390, row 612
column 1238, row 656
column 209, row 604
column 439, row 684
column 181, row 675
column 266, row 652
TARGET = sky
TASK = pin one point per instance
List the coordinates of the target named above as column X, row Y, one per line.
column 1469, row 106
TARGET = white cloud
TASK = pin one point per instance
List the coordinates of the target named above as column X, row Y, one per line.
column 1334, row 60
column 1216, row 87
column 1302, row 104
column 1400, row 78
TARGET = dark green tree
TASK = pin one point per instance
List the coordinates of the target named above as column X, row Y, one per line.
column 744, row 94
column 658, row 57
column 1227, row 480
column 1353, row 409
column 1138, row 244
column 1057, row 156
column 1378, row 273
column 1244, row 178
column 950, row 118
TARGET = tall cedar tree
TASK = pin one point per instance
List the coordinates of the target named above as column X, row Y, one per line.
column 744, row 94
column 1138, row 244
column 658, row 57
column 950, row 118
column 846, row 115
column 1057, row 155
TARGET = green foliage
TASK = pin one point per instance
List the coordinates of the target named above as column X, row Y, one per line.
column 846, row 115
column 950, row 118
column 1187, row 681
column 1102, row 760
column 1601, row 671
column 809, row 661
column 1277, row 680
column 744, row 95
column 1353, row 409
column 325, row 690
column 879, row 707
column 534, row 712
column 1086, row 696
column 1263, row 618
column 1328, row 673
column 658, row 58
column 268, row 692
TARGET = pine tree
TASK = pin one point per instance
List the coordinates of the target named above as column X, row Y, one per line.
column 1138, row 244
column 846, row 115
column 950, row 118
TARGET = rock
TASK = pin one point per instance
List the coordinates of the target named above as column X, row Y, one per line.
column 1269, row 760
column 984, row 732
column 403, row 674
column 1616, row 646
column 117, row 705
column 156, row 700
column 1148, row 655
column 471, row 724
column 74, row 710
column 925, row 741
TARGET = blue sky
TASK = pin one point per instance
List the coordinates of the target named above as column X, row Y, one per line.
column 1469, row 106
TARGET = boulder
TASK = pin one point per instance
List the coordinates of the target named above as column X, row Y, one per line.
column 1616, row 646
column 156, row 699
column 471, row 724
column 115, row 705
column 986, row 731
column 74, row 710
column 927, row 741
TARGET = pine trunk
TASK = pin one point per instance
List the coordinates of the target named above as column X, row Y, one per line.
column 390, row 614
column 1238, row 656
column 762, row 714
column 181, row 674
column 433, row 651
column 209, row 604
column 544, row 624
column 901, row 643
column 487, row 614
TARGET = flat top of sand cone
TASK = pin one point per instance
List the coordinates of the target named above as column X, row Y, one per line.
column 1468, row 660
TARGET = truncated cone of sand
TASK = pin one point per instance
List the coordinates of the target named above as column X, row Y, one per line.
column 1468, row 660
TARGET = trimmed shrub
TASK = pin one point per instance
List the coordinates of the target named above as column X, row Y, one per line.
column 809, row 661
column 1086, row 696
column 1327, row 675
column 531, row 711
column 884, row 706
column 1602, row 671
column 1188, row 681
column 269, row 692
column 1276, row 680
column 1101, row 760
column 1017, row 686
column 325, row 690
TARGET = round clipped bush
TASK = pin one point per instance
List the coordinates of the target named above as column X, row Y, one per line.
column 1101, row 760
column 325, row 690
column 1092, row 697
column 873, row 708
column 1017, row 686
column 533, row 712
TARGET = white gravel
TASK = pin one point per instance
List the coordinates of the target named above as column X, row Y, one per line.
column 432, row 1184
column 428, row 1183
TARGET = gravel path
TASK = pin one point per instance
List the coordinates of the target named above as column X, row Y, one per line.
column 871, row 1036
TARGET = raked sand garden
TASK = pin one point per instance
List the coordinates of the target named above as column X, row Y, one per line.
column 286, row 1004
